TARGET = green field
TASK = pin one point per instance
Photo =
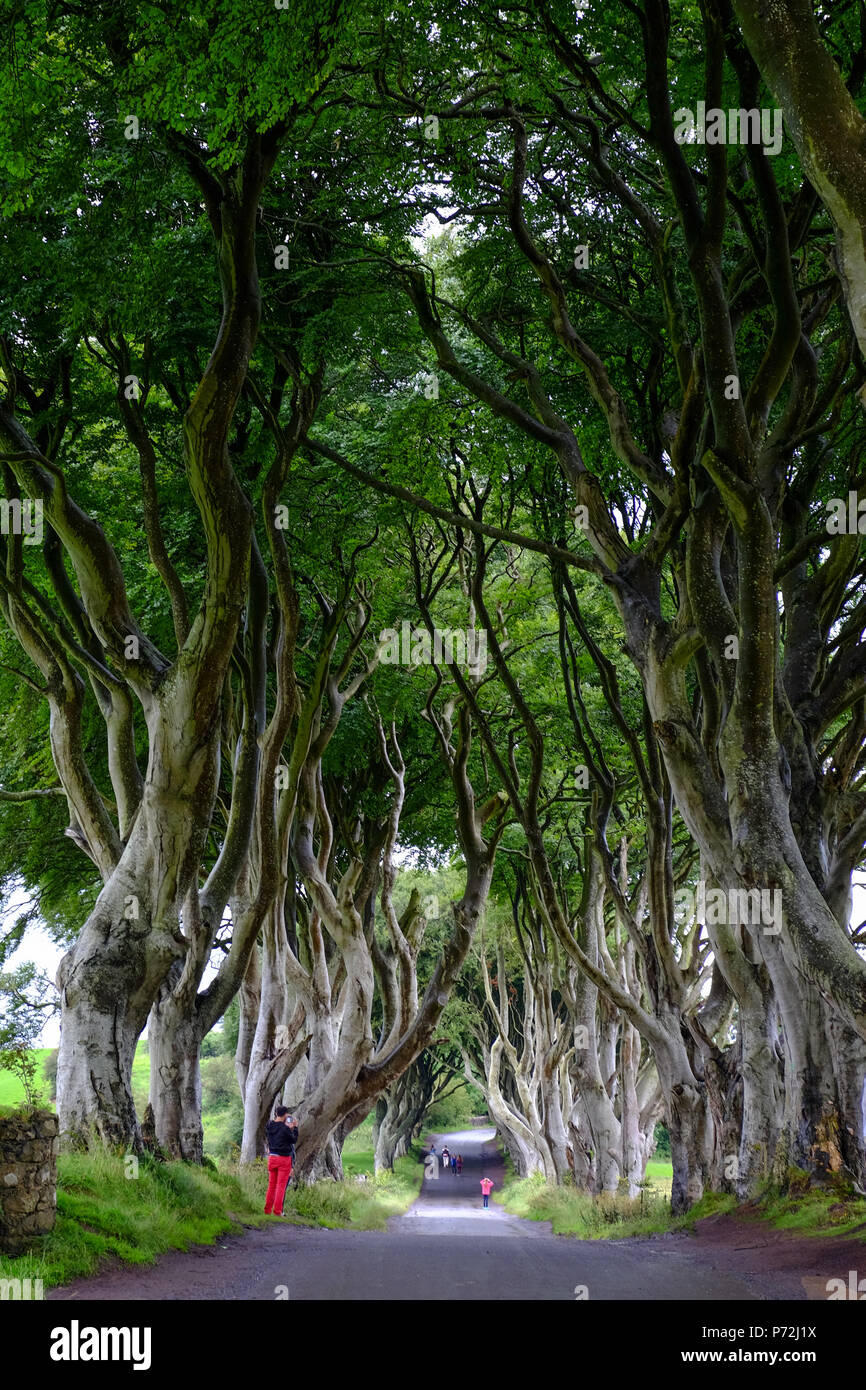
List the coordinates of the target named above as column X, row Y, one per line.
column 660, row 1172
column 141, row 1076
column 11, row 1089
column 358, row 1152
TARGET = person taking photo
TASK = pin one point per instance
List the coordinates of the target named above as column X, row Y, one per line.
column 282, row 1132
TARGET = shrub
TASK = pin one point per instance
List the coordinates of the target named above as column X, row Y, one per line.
column 662, row 1142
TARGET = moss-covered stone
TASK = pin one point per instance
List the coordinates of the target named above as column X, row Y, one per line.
column 28, row 1177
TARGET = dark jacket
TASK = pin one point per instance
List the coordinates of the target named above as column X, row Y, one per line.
column 281, row 1139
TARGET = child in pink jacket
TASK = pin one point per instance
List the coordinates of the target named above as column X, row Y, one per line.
column 487, row 1187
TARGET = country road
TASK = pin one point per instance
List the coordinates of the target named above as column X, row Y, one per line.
column 447, row 1247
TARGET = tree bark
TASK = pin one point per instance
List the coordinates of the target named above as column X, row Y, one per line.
column 824, row 122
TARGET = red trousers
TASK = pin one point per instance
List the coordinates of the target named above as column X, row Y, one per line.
column 279, row 1172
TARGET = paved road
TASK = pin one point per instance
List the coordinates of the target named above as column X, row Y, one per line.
column 446, row 1247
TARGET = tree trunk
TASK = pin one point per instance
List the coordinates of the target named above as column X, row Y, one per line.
column 689, row 1117
column 824, row 122
column 392, row 1126
column 633, row 1162
column 108, row 981
column 174, row 1038
column 596, row 1131
column 278, row 1045
column 249, row 1000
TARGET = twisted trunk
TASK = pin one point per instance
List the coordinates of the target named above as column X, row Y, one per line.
column 110, row 977
column 174, row 1038
column 280, row 1037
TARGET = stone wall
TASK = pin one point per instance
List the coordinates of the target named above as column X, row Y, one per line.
column 28, row 1177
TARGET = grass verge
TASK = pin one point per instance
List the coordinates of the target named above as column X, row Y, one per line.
column 105, row 1208
column 806, row 1211
column 575, row 1213
column 812, row 1211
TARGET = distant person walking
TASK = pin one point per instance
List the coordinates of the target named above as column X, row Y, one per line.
column 446, row 1158
column 453, row 1163
column 282, row 1135
column 486, row 1187
column 459, row 1163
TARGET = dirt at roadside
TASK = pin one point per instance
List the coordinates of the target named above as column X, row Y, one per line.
column 774, row 1264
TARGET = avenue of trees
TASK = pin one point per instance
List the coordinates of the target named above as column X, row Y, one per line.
column 329, row 330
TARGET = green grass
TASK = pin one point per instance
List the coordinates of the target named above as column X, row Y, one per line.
column 660, row 1172
column 12, row 1092
column 103, row 1212
column 807, row 1211
column 575, row 1213
column 361, row 1206
column 610, row 1216
column 106, row 1207
column 356, row 1164
column 358, row 1152
column 359, row 1157
column 220, row 1131
column 816, row 1212
column 141, row 1076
